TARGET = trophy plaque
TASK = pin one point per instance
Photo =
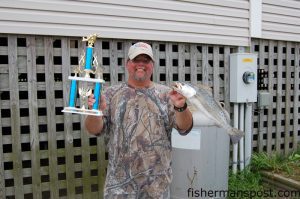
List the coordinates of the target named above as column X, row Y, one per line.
column 88, row 65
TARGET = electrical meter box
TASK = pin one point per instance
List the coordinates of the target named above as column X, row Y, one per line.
column 243, row 77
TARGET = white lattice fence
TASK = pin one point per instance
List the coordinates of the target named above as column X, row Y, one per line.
column 45, row 153
column 276, row 128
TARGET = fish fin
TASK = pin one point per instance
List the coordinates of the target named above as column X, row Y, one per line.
column 206, row 88
column 222, row 106
column 200, row 119
column 235, row 135
column 191, row 107
column 227, row 115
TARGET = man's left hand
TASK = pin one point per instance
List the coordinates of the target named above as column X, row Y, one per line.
column 177, row 99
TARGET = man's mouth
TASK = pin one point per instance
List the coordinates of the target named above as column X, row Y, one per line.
column 140, row 69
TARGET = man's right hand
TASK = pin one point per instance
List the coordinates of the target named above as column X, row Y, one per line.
column 91, row 101
column 94, row 124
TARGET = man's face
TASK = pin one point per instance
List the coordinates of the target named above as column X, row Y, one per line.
column 140, row 68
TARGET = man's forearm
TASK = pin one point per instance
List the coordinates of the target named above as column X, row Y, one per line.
column 184, row 120
column 94, row 124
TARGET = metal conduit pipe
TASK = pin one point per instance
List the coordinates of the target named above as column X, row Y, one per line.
column 248, row 134
column 235, row 146
column 241, row 142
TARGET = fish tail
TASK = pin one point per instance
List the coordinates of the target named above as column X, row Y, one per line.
column 235, row 135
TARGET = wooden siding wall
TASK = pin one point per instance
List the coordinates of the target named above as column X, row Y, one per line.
column 207, row 21
column 45, row 153
column 281, row 20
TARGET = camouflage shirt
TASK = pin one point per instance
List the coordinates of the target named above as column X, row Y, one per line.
column 139, row 124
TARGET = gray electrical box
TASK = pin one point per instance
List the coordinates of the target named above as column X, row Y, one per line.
column 200, row 163
column 264, row 99
column 243, row 77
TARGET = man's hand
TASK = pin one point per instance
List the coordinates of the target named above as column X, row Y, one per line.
column 177, row 99
column 91, row 101
column 184, row 118
column 94, row 124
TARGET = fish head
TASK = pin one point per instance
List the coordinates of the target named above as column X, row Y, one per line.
column 184, row 89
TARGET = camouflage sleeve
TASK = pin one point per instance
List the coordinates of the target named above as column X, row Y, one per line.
column 108, row 93
column 171, row 115
column 164, row 90
column 106, row 116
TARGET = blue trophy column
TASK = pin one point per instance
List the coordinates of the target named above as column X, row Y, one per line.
column 97, row 95
column 73, row 93
column 88, row 59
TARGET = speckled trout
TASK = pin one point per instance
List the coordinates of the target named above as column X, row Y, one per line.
column 206, row 110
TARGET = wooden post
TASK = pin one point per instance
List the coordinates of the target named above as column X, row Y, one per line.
column 66, row 71
column 15, row 117
column 33, row 116
column 51, row 124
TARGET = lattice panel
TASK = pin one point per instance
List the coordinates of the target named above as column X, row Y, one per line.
column 276, row 128
column 45, row 153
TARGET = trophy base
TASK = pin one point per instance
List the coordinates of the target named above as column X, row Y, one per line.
column 86, row 79
column 82, row 111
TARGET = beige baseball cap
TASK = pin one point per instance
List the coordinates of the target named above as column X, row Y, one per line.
column 140, row 48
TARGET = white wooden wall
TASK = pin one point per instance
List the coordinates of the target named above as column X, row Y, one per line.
column 281, row 20
column 213, row 22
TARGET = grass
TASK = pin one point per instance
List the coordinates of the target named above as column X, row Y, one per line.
column 272, row 162
column 250, row 178
column 245, row 180
column 287, row 166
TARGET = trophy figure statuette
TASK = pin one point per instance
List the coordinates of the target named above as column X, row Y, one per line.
column 88, row 64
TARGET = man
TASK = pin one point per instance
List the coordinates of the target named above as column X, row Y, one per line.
column 138, row 118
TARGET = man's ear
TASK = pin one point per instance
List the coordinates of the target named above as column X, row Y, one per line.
column 126, row 65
